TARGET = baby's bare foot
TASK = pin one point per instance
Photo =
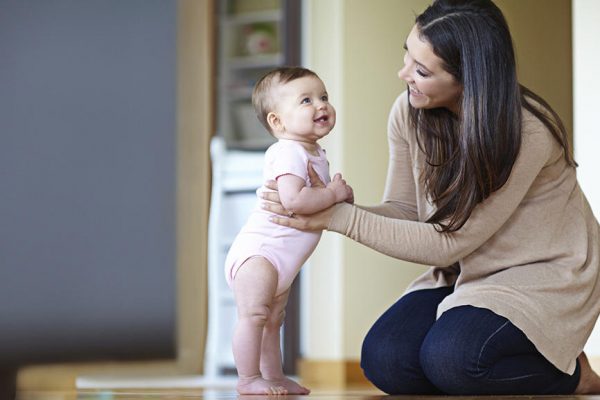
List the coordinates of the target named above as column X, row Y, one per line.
column 291, row 386
column 589, row 381
column 258, row 385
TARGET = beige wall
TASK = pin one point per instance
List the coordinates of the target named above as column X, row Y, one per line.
column 356, row 46
column 541, row 31
column 373, row 55
column 322, row 293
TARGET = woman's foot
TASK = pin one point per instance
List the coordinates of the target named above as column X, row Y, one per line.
column 258, row 385
column 589, row 382
column 291, row 386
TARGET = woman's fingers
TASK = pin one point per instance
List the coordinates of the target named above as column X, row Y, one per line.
column 271, row 184
column 314, row 222
column 287, row 221
column 273, row 206
column 281, row 216
column 271, row 196
column 284, row 217
column 299, row 222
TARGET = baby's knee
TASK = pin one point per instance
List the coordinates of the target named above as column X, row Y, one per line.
column 276, row 320
column 256, row 315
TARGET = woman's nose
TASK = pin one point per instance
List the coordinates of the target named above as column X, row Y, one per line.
column 403, row 73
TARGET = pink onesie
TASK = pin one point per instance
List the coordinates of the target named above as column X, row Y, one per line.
column 286, row 248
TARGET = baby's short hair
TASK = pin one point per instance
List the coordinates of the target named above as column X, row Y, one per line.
column 261, row 95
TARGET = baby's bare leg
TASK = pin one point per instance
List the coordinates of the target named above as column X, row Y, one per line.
column 254, row 287
column 270, row 360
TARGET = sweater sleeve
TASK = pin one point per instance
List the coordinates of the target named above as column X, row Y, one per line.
column 420, row 242
column 399, row 197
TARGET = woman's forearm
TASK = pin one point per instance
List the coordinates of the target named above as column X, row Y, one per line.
column 392, row 210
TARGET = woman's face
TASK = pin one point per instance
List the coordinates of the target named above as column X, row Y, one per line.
column 430, row 85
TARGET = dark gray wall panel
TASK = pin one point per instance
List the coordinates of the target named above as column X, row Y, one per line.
column 87, row 179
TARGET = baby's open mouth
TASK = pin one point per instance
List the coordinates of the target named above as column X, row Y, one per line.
column 324, row 118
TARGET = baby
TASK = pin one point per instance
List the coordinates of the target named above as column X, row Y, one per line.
column 292, row 103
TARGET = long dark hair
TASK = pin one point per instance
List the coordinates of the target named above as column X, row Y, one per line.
column 471, row 155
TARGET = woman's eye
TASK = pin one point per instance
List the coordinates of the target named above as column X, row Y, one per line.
column 305, row 100
column 422, row 73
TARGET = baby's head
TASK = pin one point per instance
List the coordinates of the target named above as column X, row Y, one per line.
column 292, row 99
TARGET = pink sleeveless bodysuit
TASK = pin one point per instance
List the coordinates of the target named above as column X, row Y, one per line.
column 286, row 248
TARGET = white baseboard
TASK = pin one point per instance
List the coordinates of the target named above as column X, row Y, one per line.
column 155, row 382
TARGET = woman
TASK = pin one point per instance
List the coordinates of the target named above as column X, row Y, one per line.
column 482, row 186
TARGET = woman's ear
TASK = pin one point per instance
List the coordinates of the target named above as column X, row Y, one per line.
column 274, row 122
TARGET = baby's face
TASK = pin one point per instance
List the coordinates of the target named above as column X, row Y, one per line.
column 303, row 110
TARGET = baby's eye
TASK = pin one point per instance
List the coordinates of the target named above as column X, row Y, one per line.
column 324, row 98
column 305, row 100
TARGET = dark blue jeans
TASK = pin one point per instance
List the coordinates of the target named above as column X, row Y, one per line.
column 467, row 351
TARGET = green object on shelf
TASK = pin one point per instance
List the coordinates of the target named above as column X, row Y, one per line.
column 259, row 38
column 246, row 6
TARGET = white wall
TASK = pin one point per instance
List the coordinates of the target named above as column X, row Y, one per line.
column 586, row 88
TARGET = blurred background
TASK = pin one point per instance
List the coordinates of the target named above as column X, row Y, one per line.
column 129, row 156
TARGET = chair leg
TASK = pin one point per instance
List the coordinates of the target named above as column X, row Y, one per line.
column 8, row 384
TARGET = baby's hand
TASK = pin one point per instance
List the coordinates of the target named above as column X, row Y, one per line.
column 341, row 190
column 350, row 198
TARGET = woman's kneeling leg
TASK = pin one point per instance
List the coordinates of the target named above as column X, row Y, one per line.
column 473, row 351
column 390, row 352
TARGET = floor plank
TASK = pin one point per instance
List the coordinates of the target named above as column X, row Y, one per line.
column 321, row 394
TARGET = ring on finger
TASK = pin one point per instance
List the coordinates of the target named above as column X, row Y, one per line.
column 291, row 214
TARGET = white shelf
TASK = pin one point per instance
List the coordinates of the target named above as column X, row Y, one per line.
column 227, row 299
column 238, row 151
column 236, row 176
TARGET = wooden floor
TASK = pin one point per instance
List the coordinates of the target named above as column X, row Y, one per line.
column 349, row 394
column 191, row 389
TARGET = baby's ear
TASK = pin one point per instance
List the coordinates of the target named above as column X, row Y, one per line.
column 274, row 122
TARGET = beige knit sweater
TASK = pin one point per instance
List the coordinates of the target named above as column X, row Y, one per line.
column 530, row 252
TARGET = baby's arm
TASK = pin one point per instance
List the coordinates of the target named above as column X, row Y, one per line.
column 298, row 198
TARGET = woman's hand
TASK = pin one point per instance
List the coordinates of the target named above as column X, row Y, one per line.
column 314, row 222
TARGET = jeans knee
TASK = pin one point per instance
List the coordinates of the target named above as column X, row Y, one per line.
column 372, row 358
column 391, row 365
column 451, row 370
